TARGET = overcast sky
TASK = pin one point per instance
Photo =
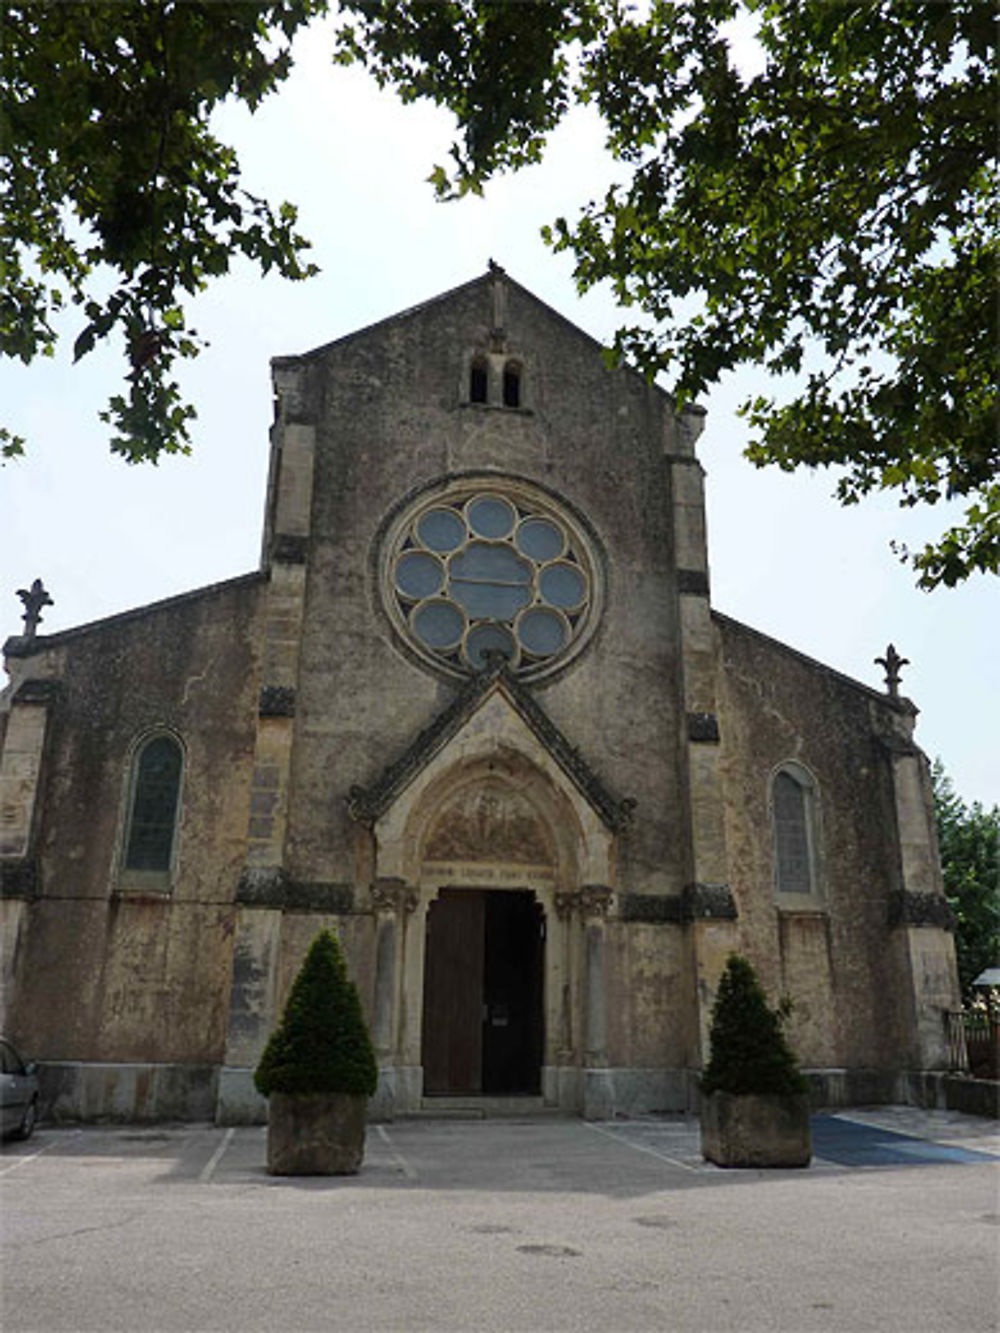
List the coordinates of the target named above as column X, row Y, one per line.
column 785, row 558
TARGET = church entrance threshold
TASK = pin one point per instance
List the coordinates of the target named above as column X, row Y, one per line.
column 482, row 1016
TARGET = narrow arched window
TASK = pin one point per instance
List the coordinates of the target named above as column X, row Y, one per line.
column 155, row 796
column 793, row 813
column 512, row 384
column 479, row 381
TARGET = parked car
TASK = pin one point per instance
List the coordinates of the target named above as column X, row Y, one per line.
column 18, row 1092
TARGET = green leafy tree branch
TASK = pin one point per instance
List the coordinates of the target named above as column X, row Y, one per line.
column 969, row 843
column 110, row 170
column 839, row 205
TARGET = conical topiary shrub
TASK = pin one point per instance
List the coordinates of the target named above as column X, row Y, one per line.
column 318, row 1071
column 754, row 1102
column 749, row 1050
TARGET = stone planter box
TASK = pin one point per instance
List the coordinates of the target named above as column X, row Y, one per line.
column 315, row 1134
column 755, row 1130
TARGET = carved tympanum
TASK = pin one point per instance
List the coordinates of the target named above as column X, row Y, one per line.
column 489, row 823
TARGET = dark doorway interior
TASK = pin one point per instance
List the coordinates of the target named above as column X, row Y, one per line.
column 482, row 1021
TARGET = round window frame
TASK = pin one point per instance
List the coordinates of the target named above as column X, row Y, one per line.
column 532, row 501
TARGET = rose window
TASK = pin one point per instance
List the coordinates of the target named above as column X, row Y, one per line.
column 484, row 568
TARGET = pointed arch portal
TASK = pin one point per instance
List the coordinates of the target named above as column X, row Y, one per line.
column 493, row 853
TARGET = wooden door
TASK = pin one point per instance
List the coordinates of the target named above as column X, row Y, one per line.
column 512, row 993
column 453, row 994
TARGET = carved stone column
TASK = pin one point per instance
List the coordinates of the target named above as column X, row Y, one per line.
column 595, row 900
column 390, row 899
column 598, row 1091
column 566, row 906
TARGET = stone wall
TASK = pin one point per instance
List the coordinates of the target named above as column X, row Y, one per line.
column 104, row 969
column 289, row 688
column 833, row 956
column 390, row 418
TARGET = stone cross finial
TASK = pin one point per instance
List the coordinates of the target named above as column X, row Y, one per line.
column 893, row 664
column 34, row 598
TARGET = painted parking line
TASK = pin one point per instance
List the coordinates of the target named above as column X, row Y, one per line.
column 208, row 1169
column 30, row 1157
column 618, row 1137
column 395, row 1154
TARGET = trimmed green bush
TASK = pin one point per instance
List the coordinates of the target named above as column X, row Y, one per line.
column 749, row 1050
column 321, row 1043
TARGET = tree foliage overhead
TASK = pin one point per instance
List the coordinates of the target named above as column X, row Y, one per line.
column 969, row 843
column 321, row 1043
column 833, row 216
column 117, row 198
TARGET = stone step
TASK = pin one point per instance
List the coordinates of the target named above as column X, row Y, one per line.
column 482, row 1108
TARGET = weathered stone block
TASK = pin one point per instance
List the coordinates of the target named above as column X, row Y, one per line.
column 319, row 1134
column 755, row 1130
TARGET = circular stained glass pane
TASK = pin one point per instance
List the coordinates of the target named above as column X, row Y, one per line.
column 419, row 575
column 491, row 582
column 439, row 625
column 539, row 539
column 488, row 601
column 482, row 562
column 542, row 632
column 441, row 530
column 485, row 637
column 563, row 585
column 490, row 516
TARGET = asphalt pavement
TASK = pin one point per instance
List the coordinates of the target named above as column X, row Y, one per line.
column 508, row 1225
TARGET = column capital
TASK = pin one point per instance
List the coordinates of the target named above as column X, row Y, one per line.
column 390, row 894
column 595, row 901
column 566, row 902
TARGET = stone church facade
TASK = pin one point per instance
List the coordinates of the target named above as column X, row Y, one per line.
column 476, row 713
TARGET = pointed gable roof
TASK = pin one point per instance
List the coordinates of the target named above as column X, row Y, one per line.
column 367, row 804
column 494, row 272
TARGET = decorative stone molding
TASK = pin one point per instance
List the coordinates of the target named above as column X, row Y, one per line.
column 276, row 701
column 692, row 581
column 703, row 727
column 565, row 903
column 392, row 895
column 366, row 804
column 651, row 908
column 19, row 878
column 919, row 909
column 595, row 901
column 713, row 902
column 270, row 886
column 40, row 690
column 288, row 549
